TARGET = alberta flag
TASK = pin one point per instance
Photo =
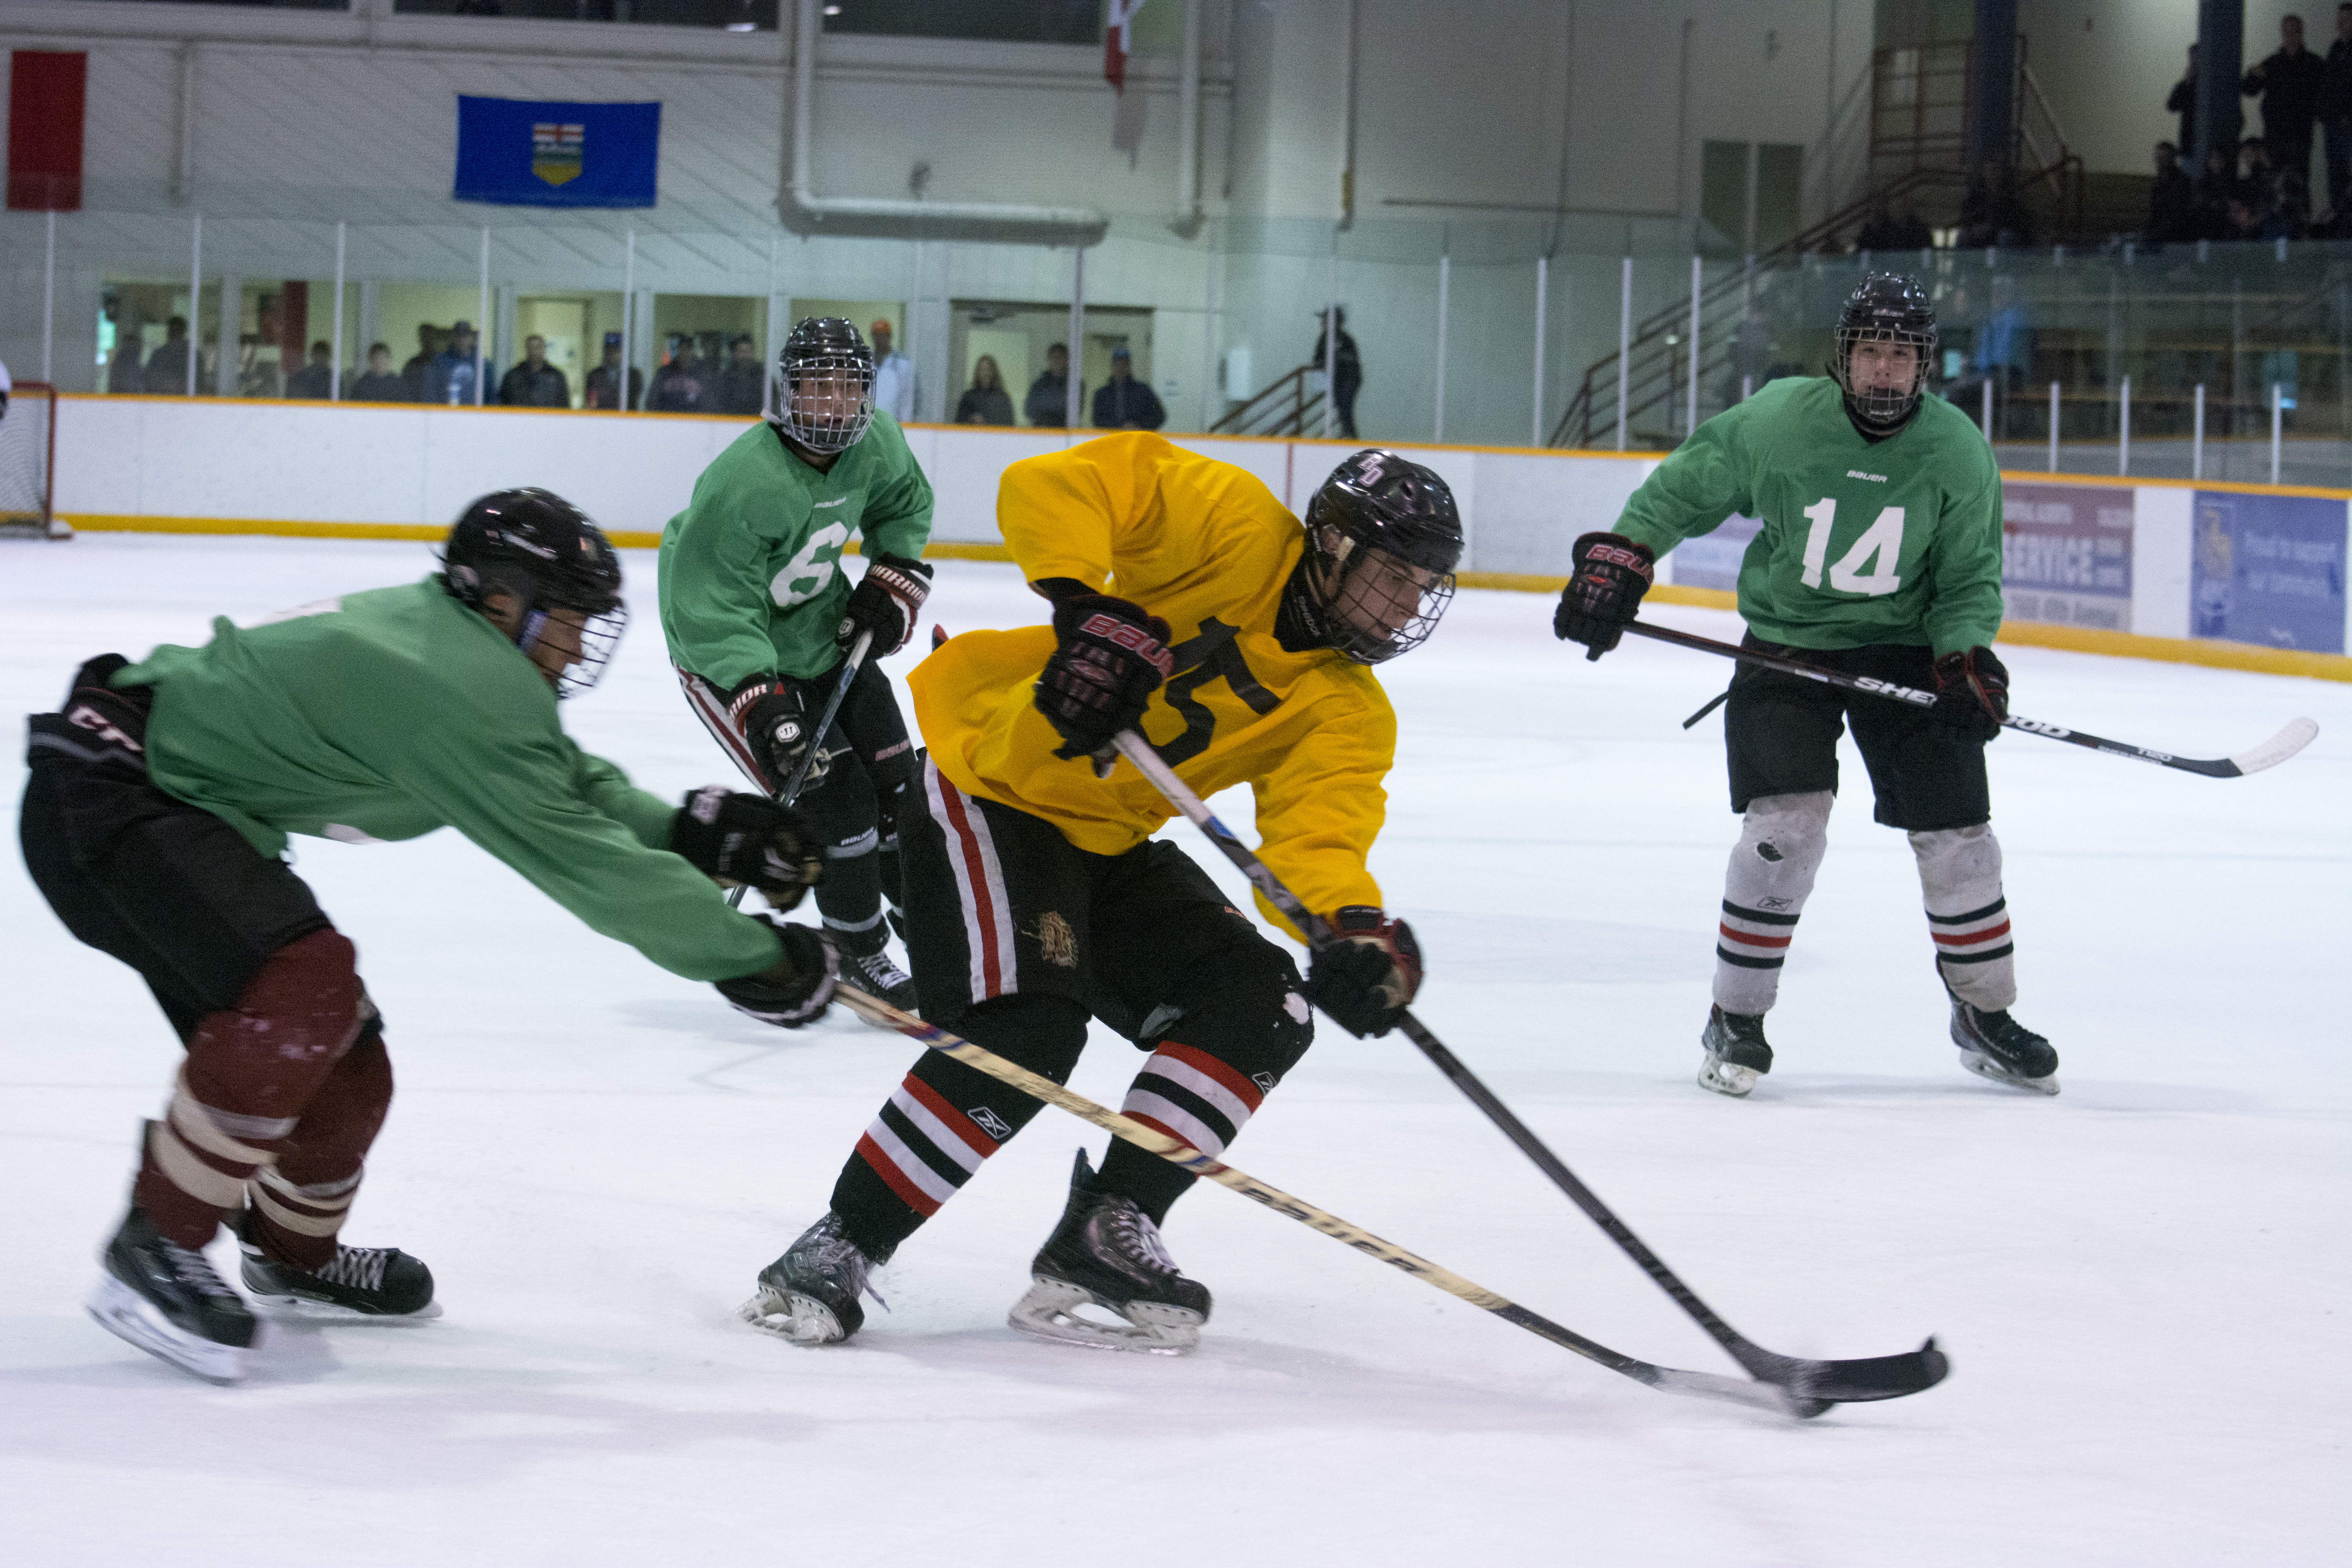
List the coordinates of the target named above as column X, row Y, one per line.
column 522, row 153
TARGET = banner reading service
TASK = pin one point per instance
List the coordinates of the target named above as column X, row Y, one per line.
column 517, row 153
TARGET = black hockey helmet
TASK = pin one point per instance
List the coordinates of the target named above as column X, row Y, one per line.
column 544, row 550
column 1382, row 541
column 823, row 394
column 1885, row 307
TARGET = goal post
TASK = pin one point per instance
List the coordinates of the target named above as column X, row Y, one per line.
column 28, row 453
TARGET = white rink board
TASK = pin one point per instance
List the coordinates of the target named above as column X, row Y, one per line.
column 2141, row 1282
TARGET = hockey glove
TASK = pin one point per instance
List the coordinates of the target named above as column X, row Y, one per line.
column 884, row 602
column 772, row 714
column 795, row 989
column 1611, row 573
column 735, row 838
column 1367, row 973
column 1109, row 658
column 1973, row 693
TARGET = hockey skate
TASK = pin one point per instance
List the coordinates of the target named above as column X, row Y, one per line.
column 357, row 1282
column 166, row 1299
column 1107, row 1253
column 1736, row 1053
column 1996, row 1045
column 809, row 1296
column 874, row 974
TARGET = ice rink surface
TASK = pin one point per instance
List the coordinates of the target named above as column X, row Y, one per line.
column 2142, row 1282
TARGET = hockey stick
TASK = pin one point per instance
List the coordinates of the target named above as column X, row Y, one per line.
column 2297, row 734
column 1874, row 1377
column 1792, row 1396
column 791, row 790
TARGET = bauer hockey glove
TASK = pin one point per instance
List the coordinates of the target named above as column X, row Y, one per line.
column 1611, row 573
column 795, row 989
column 735, row 838
column 884, row 602
column 1367, row 973
column 1973, row 693
column 772, row 713
column 1109, row 658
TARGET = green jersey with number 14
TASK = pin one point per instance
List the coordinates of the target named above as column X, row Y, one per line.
column 750, row 576
column 1892, row 542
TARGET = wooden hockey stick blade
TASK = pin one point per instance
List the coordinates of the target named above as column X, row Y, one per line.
column 2297, row 734
column 1668, row 1380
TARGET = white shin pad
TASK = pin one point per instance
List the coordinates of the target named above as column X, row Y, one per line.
column 1781, row 841
column 1960, row 880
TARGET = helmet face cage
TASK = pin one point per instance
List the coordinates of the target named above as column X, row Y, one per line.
column 560, row 569
column 1376, row 606
column 599, row 636
column 1382, row 538
column 1885, row 308
column 824, row 391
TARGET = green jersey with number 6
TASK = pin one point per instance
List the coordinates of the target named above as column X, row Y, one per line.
column 750, row 571
column 1892, row 542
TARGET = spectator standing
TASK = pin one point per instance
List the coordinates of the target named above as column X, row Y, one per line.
column 2183, row 103
column 744, row 385
column 2288, row 84
column 166, row 375
column 985, row 401
column 2172, row 201
column 1123, row 403
column 123, row 374
column 317, row 379
column 1047, row 405
column 683, row 384
column 450, row 378
column 419, row 369
column 2336, row 110
column 379, row 382
column 603, row 388
column 535, row 383
column 1348, row 377
column 893, row 377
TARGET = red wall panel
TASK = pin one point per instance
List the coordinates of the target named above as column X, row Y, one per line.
column 46, row 92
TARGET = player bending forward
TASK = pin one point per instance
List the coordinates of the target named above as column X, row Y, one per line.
column 759, row 618
column 1880, row 555
column 1037, row 900
column 155, row 820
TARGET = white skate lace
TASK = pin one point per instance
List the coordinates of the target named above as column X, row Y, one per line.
column 1132, row 1231
column 838, row 1257
column 193, row 1271
column 877, row 969
column 360, row 1268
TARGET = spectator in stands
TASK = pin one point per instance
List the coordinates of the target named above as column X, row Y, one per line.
column 452, row 378
column 2172, row 201
column 166, row 375
column 2001, row 344
column 1048, row 404
column 894, row 376
column 683, row 385
column 2183, row 103
column 378, row 383
column 255, row 376
column 2335, row 109
column 2243, row 224
column 317, row 379
column 1892, row 226
column 603, row 388
column 419, row 368
column 985, row 401
column 2215, row 190
column 2288, row 84
column 1123, row 403
column 1348, row 377
column 744, row 385
column 535, row 383
column 1990, row 212
column 123, row 374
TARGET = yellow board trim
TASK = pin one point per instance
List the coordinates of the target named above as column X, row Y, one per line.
column 2024, row 634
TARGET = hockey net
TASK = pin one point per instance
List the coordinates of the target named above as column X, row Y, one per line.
column 28, row 449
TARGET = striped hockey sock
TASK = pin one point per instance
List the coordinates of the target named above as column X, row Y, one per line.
column 1968, row 916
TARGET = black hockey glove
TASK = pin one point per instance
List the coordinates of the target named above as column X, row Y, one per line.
column 884, row 602
column 774, row 716
column 1367, row 973
column 794, row 990
column 1109, row 658
column 734, row 838
column 1973, row 693
column 1611, row 573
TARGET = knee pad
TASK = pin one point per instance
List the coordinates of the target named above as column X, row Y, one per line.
column 1240, row 1004
column 1960, row 867
column 1782, row 838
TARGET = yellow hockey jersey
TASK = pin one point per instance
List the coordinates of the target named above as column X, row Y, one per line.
column 1208, row 547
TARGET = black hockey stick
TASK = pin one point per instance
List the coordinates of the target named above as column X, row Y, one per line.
column 1792, row 1395
column 1872, row 1377
column 2297, row 734
column 793, row 785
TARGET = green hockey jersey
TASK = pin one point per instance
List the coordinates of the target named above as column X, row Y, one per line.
column 1892, row 542
column 750, row 576
column 386, row 714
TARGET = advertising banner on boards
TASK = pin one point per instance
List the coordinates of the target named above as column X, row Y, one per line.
column 2066, row 555
column 2268, row 569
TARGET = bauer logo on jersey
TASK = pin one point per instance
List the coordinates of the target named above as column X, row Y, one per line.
column 556, row 151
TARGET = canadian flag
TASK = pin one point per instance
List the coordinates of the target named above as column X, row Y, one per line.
column 1115, row 42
